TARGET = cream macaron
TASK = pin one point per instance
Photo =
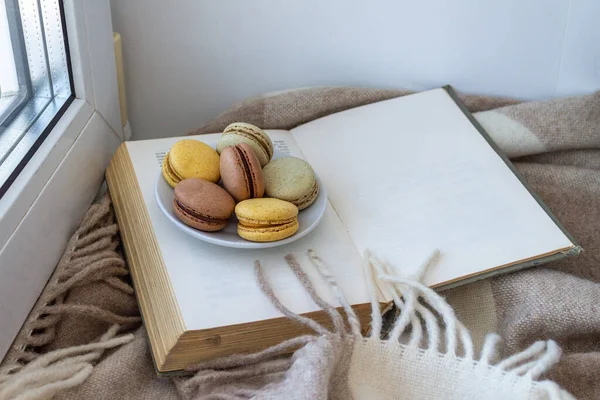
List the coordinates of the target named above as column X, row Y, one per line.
column 253, row 136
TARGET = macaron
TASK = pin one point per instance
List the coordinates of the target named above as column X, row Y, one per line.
column 256, row 138
column 241, row 173
column 203, row 205
column 266, row 220
column 191, row 158
column 291, row 179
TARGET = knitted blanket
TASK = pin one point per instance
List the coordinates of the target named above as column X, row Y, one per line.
column 83, row 339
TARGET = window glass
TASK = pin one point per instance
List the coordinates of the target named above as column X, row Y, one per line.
column 35, row 79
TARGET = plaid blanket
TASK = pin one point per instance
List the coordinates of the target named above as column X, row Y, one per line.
column 554, row 144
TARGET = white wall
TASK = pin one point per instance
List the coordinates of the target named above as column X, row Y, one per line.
column 188, row 60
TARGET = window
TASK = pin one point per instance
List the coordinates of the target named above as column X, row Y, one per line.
column 35, row 79
column 77, row 84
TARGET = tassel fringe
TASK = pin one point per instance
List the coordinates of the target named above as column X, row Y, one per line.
column 57, row 370
column 425, row 323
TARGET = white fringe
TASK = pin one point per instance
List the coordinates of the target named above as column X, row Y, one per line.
column 406, row 292
column 376, row 319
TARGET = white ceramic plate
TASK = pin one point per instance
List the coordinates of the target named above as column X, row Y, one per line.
column 308, row 219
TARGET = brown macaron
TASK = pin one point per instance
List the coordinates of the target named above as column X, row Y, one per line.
column 203, row 205
column 241, row 173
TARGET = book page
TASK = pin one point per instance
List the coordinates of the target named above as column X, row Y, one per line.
column 215, row 286
column 412, row 174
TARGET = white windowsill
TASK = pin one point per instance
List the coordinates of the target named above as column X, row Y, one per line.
column 32, row 179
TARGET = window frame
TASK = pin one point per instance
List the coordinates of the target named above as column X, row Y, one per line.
column 47, row 200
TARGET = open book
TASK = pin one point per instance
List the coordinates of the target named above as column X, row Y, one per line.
column 403, row 176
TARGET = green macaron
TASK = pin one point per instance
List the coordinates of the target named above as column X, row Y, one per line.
column 253, row 136
column 291, row 179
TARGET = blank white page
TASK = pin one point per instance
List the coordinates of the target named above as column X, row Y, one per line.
column 413, row 174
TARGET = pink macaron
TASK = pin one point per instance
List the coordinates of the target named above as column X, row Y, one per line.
column 241, row 172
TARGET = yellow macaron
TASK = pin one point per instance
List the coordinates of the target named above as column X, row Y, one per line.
column 191, row 158
column 266, row 219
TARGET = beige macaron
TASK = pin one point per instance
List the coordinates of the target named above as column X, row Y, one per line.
column 256, row 138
